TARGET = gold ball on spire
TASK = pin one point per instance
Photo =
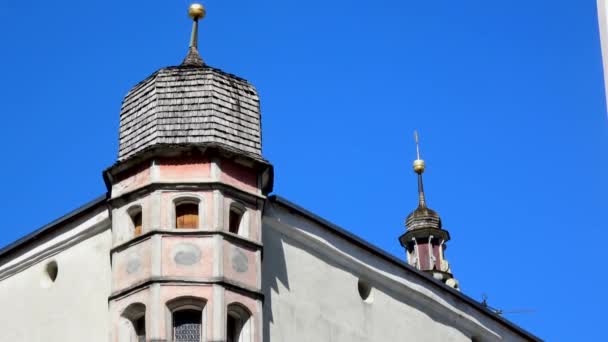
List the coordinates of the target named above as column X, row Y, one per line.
column 196, row 11
column 419, row 166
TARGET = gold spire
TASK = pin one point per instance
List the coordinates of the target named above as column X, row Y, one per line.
column 419, row 169
column 196, row 12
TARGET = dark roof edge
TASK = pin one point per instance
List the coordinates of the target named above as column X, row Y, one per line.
column 396, row 261
column 50, row 227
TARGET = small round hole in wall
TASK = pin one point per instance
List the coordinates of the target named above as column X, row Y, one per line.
column 365, row 291
column 51, row 270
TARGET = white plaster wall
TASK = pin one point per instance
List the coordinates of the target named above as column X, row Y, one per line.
column 310, row 280
column 74, row 307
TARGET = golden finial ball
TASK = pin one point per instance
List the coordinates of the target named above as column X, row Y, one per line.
column 419, row 166
column 196, row 11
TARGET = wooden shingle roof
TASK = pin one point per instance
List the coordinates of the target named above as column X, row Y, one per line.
column 193, row 105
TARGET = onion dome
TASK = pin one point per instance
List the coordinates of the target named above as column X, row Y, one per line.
column 191, row 104
column 423, row 217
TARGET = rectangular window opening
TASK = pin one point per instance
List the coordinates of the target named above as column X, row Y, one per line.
column 187, row 326
column 137, row 224
column 234, row 221
column 140, row 329
column 186, row 215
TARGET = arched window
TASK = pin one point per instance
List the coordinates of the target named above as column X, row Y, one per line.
column 137, row 225
column 133, row 325
column 136, row 220
column 237, row 219
column 238, row 324
column 234, row 220
column 186, row 215
column 188, row 319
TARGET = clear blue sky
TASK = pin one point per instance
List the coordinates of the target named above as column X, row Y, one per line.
column 507, row 95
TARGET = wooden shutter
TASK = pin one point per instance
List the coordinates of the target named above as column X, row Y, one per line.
column 186, row 215
column 137, row 225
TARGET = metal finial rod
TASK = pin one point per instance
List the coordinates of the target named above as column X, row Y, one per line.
column 419, row 169
column 196, row 12
column 421, row 198
column 194, row 35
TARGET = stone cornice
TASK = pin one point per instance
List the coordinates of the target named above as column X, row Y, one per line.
column 208, row 149
column 244, row 195
column 239, row 240
column 222, row 281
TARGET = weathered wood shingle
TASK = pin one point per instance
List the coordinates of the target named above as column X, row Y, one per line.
column 191, row 105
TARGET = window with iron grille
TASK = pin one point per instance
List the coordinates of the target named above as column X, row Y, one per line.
column 187, row 326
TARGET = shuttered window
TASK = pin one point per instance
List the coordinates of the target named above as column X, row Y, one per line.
column 186, row 215
column 137, row 225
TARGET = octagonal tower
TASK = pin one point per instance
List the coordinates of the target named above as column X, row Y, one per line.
column 186, row 198
column 425, row 240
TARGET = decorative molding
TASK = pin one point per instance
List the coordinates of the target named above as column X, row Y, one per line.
column 229, row 284
column 237, row 239
column 130, row 196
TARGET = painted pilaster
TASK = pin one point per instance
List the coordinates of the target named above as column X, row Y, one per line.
column 218, row 210
column 215, row 169
column 219, row 313
column 218, row 256
column 156, row 313
column 155, row 210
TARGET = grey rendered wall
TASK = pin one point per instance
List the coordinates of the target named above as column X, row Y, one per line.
column 310, row 280
column 74, row 307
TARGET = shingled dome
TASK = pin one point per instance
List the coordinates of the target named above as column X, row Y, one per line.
column 422, row 218
column 192, row 105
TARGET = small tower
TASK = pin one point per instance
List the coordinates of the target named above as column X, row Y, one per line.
column 186, row 198
column 425, row 239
